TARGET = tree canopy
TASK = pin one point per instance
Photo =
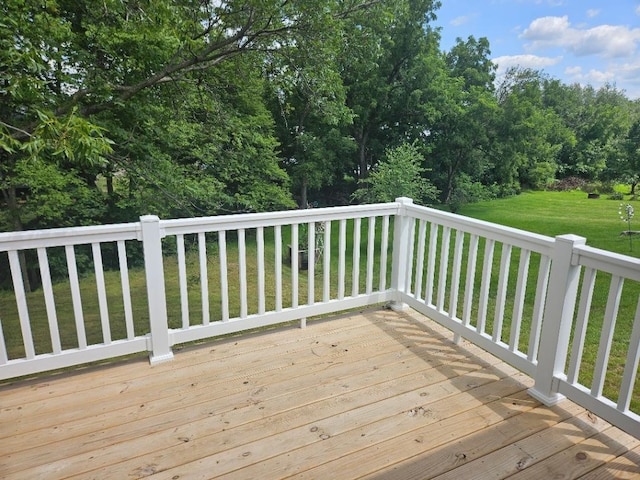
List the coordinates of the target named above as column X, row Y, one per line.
column 111, row 109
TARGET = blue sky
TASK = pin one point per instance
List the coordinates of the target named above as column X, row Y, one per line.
column 577, row 41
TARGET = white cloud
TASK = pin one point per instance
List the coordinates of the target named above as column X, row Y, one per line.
column 573, row 71
column 456, row 22
column 528, row 61
column 624, row 75
column 638, row 10
column 525, row 61
column 593, row 76
column 593, row 12
column 604, row 40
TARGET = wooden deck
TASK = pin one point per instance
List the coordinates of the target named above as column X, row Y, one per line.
column 377, row 395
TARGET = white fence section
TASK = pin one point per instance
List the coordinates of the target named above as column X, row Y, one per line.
column 452, row 278
column 187, row 264
column 562, row 312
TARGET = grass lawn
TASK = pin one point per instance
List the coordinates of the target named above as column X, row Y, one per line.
column 557, row 213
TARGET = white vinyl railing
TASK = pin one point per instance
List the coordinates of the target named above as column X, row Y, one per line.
column 188, row 264
column 458, row 271
column 534, row 301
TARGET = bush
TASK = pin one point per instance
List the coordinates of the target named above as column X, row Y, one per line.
column 616, row 196
column 568, row 184
column 399, row 174
column 607, row 188
column 468, row 191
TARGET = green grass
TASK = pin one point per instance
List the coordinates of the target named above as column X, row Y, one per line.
column 558, row 213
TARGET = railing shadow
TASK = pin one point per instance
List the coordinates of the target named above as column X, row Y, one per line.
column 497, row 441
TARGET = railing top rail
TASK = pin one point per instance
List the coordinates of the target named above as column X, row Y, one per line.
column 254, row 220
column 614, row 263
column 57, row 237
column 520, row 238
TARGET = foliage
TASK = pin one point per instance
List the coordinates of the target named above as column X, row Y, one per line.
column 530, row 136
column 460, row 137
column 626, row 166
column 389, row 62
column 598, row 187
column 468, row 191
column 567, row 184
column 200, row 151
column 399, row 174
column 113, row 109
column 157, row 77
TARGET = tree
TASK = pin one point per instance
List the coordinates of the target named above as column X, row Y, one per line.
column 626, row 167
column 399, row 174
column 460, row 138
column 386, row 71
column 71, row 66
column 598, row 120
column 308, row 105
column 530, row 135
column 202, row 148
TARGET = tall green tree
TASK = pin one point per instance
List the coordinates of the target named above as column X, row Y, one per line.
column 598, row 119
column 386, row 71
column 460, row 138
column 70, row 67
column 308, row 105
column 626, row 166
column 530, row 135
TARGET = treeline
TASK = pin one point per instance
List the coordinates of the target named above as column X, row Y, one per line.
column 111, row 109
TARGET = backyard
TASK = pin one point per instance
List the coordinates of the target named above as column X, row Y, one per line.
column 548, row 213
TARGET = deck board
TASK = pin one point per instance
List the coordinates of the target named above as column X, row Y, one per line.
column 376, row 395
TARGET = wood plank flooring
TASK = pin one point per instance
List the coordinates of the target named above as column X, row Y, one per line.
column 376, row 395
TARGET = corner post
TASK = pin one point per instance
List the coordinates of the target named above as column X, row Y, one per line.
column 557, row 319
column 401, row 249
column 154, row 274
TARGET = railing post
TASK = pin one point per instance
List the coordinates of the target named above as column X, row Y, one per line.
column 400, row 257
column 557, row 319
column 154, row 274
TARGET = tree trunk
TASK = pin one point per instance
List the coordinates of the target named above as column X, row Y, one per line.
column 449, row 189
column 362, row 137
column 11, row 200
column 303, row 193
column 110, row 184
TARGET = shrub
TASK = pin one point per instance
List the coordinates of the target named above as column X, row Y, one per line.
column 468, row 191
column 399, row 174
column 567, row 184
column 606, row 188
